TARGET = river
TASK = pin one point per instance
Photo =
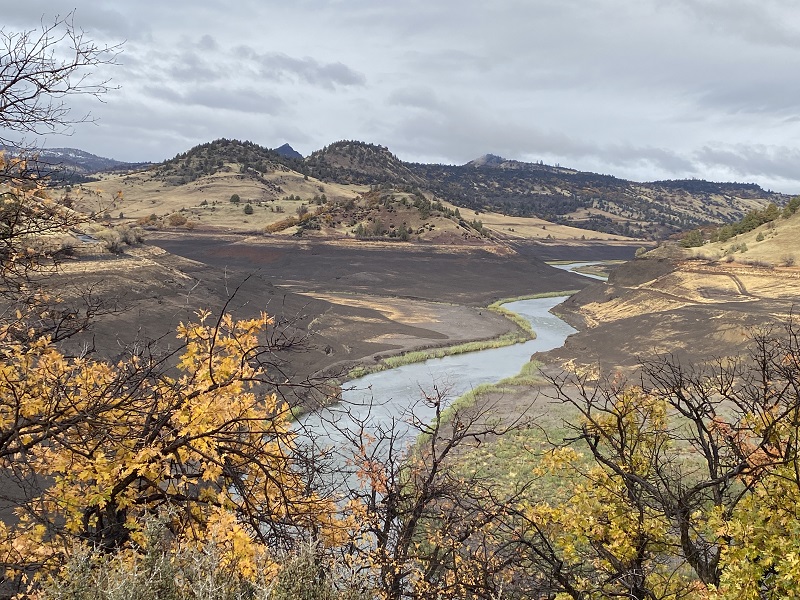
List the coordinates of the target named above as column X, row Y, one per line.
column 391, row 400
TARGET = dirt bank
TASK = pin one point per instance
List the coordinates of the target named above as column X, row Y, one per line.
column 348, row 303
column 693, row 310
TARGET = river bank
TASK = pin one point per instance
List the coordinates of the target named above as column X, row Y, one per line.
column 524, row 332
column 396, row 399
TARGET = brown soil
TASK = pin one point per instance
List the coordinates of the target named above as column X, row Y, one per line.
column 690, row 311
column 352, row 302
column 693, row 310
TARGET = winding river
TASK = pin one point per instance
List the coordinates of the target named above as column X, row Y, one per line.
column 392, row 399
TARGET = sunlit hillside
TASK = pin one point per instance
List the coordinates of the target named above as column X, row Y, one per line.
column 774, row 243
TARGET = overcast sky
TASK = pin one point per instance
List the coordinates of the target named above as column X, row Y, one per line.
column 641, row 89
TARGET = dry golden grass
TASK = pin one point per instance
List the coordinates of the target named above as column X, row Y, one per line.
column 776, row 243
column 206, row 201
column 532, row 228
column 697, row 283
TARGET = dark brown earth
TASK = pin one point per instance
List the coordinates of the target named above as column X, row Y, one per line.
column 348, row 303
column 463, row 275
column 692, row 311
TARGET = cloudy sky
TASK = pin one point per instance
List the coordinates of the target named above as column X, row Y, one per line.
column 641, row 89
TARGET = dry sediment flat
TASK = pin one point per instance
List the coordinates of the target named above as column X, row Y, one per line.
column 353, row 302
column 693, row 310
column 474, row 276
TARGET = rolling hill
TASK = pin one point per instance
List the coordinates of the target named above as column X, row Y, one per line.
column 69, row 165
column 279, row 180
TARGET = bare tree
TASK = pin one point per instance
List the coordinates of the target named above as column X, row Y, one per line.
column 40, row 68
column 685, row 444
column 429, row 525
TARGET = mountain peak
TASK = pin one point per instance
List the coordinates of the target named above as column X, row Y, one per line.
column 287, row 151
column 487, row 160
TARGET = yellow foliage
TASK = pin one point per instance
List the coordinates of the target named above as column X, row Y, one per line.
column 118, row 442
column 762, row 557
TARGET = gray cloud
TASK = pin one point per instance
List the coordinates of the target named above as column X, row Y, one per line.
column 207, row 43
column 415, row 97
column 278, row 67
column 763, row 23
column 246, row 100
column 651, row 89
column 752, row 160
column 191, row 67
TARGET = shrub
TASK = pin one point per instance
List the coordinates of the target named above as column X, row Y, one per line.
column 66, row 246
column 791, row 207
column 759, row 263
column 281, row 225
column 149, row 220
column 176, row 220
column 248, row 209
column 131, row 235
column 235, row 198
column 111, row 240
column 166, row 572
column 693, row 239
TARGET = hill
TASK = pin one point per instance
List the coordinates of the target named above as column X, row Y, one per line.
column 592, row 201
column 275, row 180
column 358, row 162
column 219, row 156
column 768, row 237
column 70, row 165
column 240, row 186
column 556, row 194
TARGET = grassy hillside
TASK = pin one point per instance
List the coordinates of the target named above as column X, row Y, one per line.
column 218, row 199
column 239, row 186
column 775, row 243
column 199, row 184
column 592, row 201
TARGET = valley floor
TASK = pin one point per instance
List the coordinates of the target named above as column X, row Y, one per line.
column 353, row 303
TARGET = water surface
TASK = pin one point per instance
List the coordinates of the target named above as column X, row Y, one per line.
column 391, row 400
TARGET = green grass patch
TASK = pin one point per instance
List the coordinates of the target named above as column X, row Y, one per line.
column 527, row 377
column 524, row 333
column 417, row 356
column 518, row 320
column 534, row 297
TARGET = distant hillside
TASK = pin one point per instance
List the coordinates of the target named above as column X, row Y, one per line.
column 357, row 162
column 70, row 165
column 599, row 202
column 554, row 193
column 560, row 195
column 212, row 157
